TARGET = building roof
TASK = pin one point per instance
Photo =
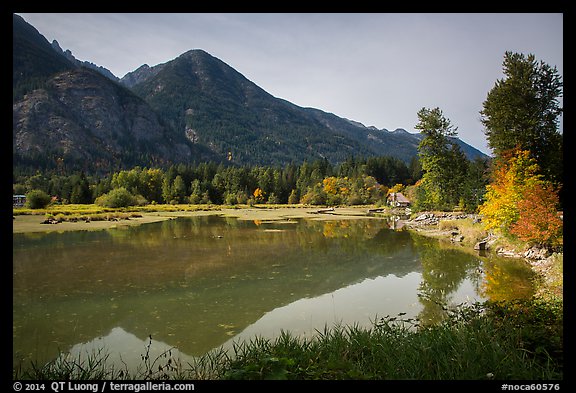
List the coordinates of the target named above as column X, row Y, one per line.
column 398, row 197
column 401, row 198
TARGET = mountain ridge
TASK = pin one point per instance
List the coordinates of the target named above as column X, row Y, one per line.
column 351, row 128
column 79, row 63
column 194, row 107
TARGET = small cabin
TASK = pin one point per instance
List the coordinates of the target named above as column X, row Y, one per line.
column 397, row 199
column 18, row 200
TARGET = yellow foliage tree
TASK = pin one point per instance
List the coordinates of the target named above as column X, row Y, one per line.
column 258, row 195
column 514, row 174
column 330, row 185
column 397, row 188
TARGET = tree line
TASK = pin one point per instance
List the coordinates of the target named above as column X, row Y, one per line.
column 355, row 181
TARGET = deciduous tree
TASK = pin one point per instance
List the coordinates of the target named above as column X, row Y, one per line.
column 538, row 222
column 520, row 202
column 443, row 162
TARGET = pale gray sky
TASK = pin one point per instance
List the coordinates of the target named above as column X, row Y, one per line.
column 375, row 68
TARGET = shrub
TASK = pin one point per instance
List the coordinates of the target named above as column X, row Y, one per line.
column 37, row 199
column 293, row 198
column 118, row 197
column 273, row 199
column 314, row 196
column 242, row 197
column 139, row 200
column 230, row 199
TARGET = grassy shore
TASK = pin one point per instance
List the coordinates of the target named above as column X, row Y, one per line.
column 492, row 341
column 92, row 217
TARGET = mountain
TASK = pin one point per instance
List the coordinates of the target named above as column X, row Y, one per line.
column 68, row 54
column 70, row 117
column 140, row 74
column 216, row 106
column 32, row 59
column 192, row 108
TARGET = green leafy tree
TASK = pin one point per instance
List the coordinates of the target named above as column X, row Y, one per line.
column 474, row 187
column 37, row 182
column 415, row 170
column 273, row 199
column 522, row 111
column 196, row 192
column 293, row 197
column 37, row 199
column 102, row 186
column 19, row 189
column 150, row 184
column 314, row 196
column 443, row 162
column 167, row 194
column 127, row 179
column 179, row 189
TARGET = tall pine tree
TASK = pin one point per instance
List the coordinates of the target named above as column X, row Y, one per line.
column 522, row 110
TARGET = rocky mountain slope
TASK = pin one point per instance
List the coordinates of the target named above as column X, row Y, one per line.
column 73, row 114
column 215, row 105
column 70, row 117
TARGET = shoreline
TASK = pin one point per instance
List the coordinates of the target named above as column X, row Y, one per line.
column 32, row 223
column 461, row 230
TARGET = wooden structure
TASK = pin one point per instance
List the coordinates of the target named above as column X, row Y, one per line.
column 397, row 199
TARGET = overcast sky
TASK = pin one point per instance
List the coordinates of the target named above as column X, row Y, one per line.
column 376, row 68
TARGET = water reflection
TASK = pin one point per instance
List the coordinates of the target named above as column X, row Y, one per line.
column 444, row 270
column 198, row 283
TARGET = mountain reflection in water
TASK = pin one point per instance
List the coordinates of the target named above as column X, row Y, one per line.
column 198, row 283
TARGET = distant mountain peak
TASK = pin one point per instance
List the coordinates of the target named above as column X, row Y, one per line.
column 400, row 131
column 140, row 74
column 78, row 63
column 56, row 46
column 196, row 52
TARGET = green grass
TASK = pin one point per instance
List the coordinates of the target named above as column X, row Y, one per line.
column 76, row 209
column 502, row 341
column 496, row 341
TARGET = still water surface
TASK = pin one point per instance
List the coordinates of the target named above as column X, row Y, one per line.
column 198, row 283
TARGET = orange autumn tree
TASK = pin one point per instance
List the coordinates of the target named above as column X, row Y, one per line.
column 538, row 223
column 519, row 202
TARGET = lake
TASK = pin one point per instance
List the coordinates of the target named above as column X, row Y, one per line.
column 198, row 283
